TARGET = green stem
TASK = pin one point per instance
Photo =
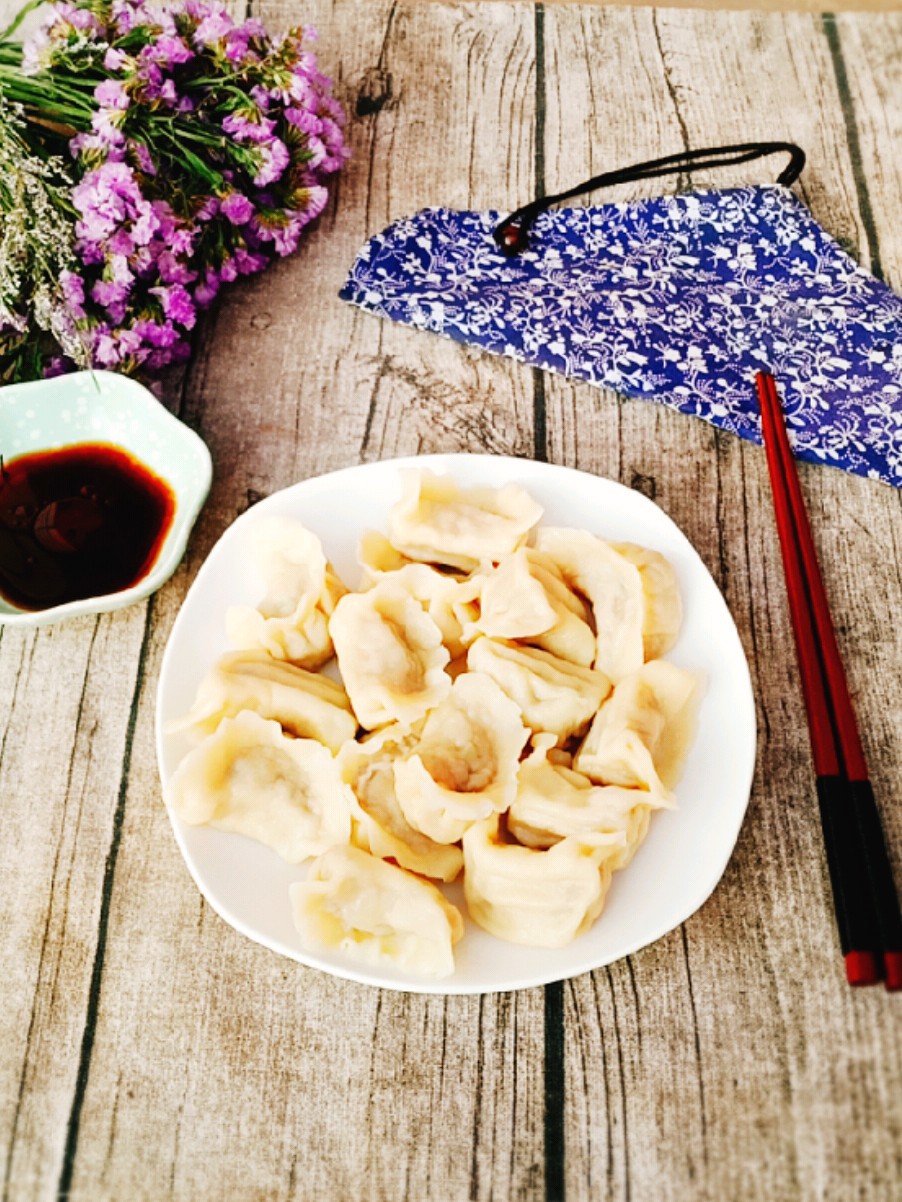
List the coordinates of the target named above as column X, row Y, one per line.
column 19, row 18
column 36, row 91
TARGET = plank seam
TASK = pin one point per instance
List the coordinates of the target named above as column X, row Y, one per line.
column 12, row 705
column 539, row 407
column 831, row 32
column 682, row 178
column 87, row 1041
column 555, row 1093
column 553, row 1067
column 477, row 1105
column 624, row 1112
column 697, row 1044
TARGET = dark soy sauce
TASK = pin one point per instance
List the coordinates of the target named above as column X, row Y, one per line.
column 81, row 521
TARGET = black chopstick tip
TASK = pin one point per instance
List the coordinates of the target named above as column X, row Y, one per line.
column 862, row 968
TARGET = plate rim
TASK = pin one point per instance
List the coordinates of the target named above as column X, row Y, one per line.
column 362, row 974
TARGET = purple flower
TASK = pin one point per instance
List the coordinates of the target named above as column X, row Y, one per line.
column 205, row 292
column 113, row 298
column 173, row 270
column 174, row 233
column 301, row 91
column 155, row 333
column 120, row 243
column 214, row 26
column 57, row 366
column 245, row 129
column 228, row 271
column 112, row 347
column 273, row 159
column 237, row 208
column 114, row 60
column 249, row 263
column 177, row 304
column 72, row 287
column 142, row 158
column 237, row 41
column 261, row 98
column 111, row 94
column 124, row 16
column 108, row 200
column 208, row 209
column 303, row 120
column 90, row 145
column 79, row 18
column 317, row 198
column 330, row 106
column 105, row 124
column 167, row 51
column 317, row 152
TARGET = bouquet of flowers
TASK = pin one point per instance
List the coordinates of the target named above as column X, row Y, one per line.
column 147, row 156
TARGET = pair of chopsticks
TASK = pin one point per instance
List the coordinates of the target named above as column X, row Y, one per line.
column 864, row 893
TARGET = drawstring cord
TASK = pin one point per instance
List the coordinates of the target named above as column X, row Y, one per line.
column 512, row 234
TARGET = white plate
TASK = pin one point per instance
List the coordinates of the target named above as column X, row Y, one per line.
column 686, row 851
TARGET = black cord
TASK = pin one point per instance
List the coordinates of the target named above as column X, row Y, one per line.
column 512, row 234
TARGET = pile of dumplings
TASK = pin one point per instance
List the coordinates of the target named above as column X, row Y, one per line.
column 505, row 713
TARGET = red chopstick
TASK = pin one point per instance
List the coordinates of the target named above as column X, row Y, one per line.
column 865, row 898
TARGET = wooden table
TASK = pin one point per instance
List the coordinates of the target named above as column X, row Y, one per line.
column 151, row 1052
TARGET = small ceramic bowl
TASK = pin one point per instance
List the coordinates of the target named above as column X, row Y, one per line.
column 102, row 407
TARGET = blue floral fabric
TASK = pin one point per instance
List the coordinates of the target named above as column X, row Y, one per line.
column 680, row 299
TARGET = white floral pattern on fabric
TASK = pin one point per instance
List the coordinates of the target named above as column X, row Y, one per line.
column 680, row 299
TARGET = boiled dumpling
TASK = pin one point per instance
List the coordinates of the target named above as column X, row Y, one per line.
column 441, row 593
column 291, row 622
column 438, row 522
column 553, row 803
column 525, row 598
column 553, row 694
column 379, row 823
column 251, row 778
column 613, row 586
column 390, row 655
column 306, row 704
column 540, row 898
column 375, row 912
column 464, row 765
column 376, row 556
column 663, row 605
column 641, row 735
column 513, row 603
column 573, row 635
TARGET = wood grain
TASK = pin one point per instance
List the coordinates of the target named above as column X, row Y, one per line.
column 148, row 1050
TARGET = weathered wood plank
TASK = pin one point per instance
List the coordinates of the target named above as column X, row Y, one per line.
column 708, row 1040
column 70, row 690
column 870, row 82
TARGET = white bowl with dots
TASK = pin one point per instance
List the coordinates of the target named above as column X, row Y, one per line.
column 100, row 410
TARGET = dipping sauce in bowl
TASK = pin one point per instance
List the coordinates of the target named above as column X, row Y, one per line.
column 81, row 521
